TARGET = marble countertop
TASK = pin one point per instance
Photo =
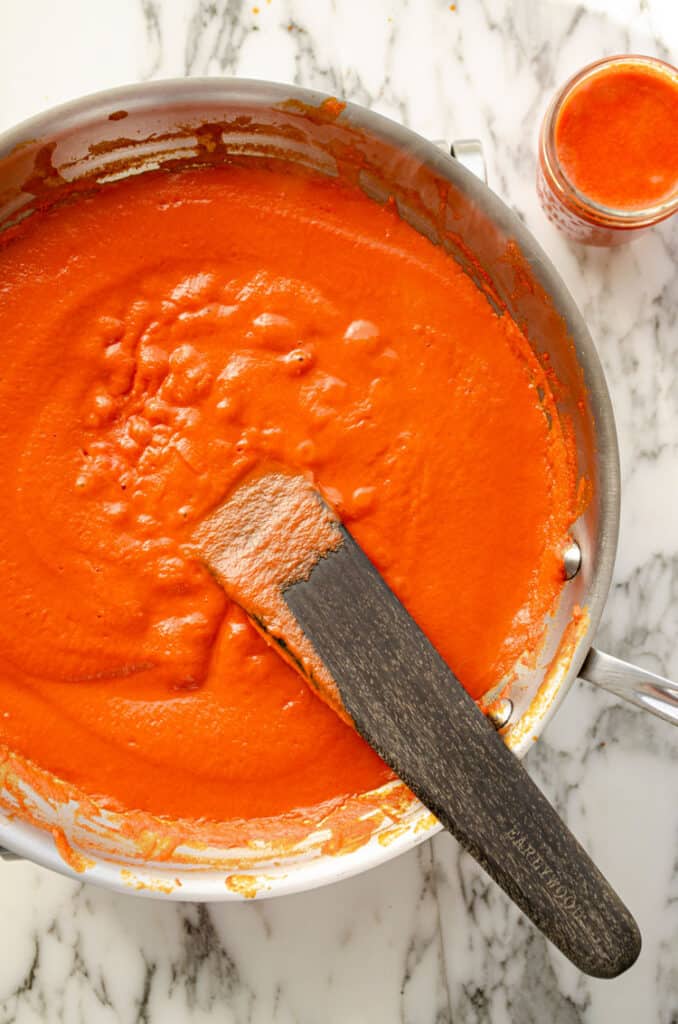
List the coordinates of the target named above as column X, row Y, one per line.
column 425, row 939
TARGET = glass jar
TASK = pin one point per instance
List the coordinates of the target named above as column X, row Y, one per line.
column 578, row 216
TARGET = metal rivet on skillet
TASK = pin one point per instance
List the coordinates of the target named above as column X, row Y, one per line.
column 501, row 712
column 571, row 560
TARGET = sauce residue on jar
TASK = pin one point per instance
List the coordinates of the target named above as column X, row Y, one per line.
column 164, row 336
column 616, row 135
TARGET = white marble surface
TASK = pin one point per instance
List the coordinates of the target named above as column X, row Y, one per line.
column 425, row 939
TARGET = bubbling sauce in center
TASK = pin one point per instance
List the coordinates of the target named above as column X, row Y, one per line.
column 163, row 337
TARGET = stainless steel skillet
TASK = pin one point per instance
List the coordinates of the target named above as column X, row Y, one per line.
column 141, row 127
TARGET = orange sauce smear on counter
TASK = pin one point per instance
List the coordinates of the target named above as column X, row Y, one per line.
column 616, row 136
column 164, row 336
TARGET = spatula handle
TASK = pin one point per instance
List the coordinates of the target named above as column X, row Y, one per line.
column 407, row 704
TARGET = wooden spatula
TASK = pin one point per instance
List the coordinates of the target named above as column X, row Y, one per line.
column 279, row 551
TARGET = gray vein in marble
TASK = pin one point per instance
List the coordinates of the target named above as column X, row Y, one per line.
column 216, row 33
column 153, row 24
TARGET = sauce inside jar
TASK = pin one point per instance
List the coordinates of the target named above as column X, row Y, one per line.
column 616, row 135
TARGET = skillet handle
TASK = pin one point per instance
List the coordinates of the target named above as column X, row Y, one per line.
column 468, row 152
column 644, row 689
